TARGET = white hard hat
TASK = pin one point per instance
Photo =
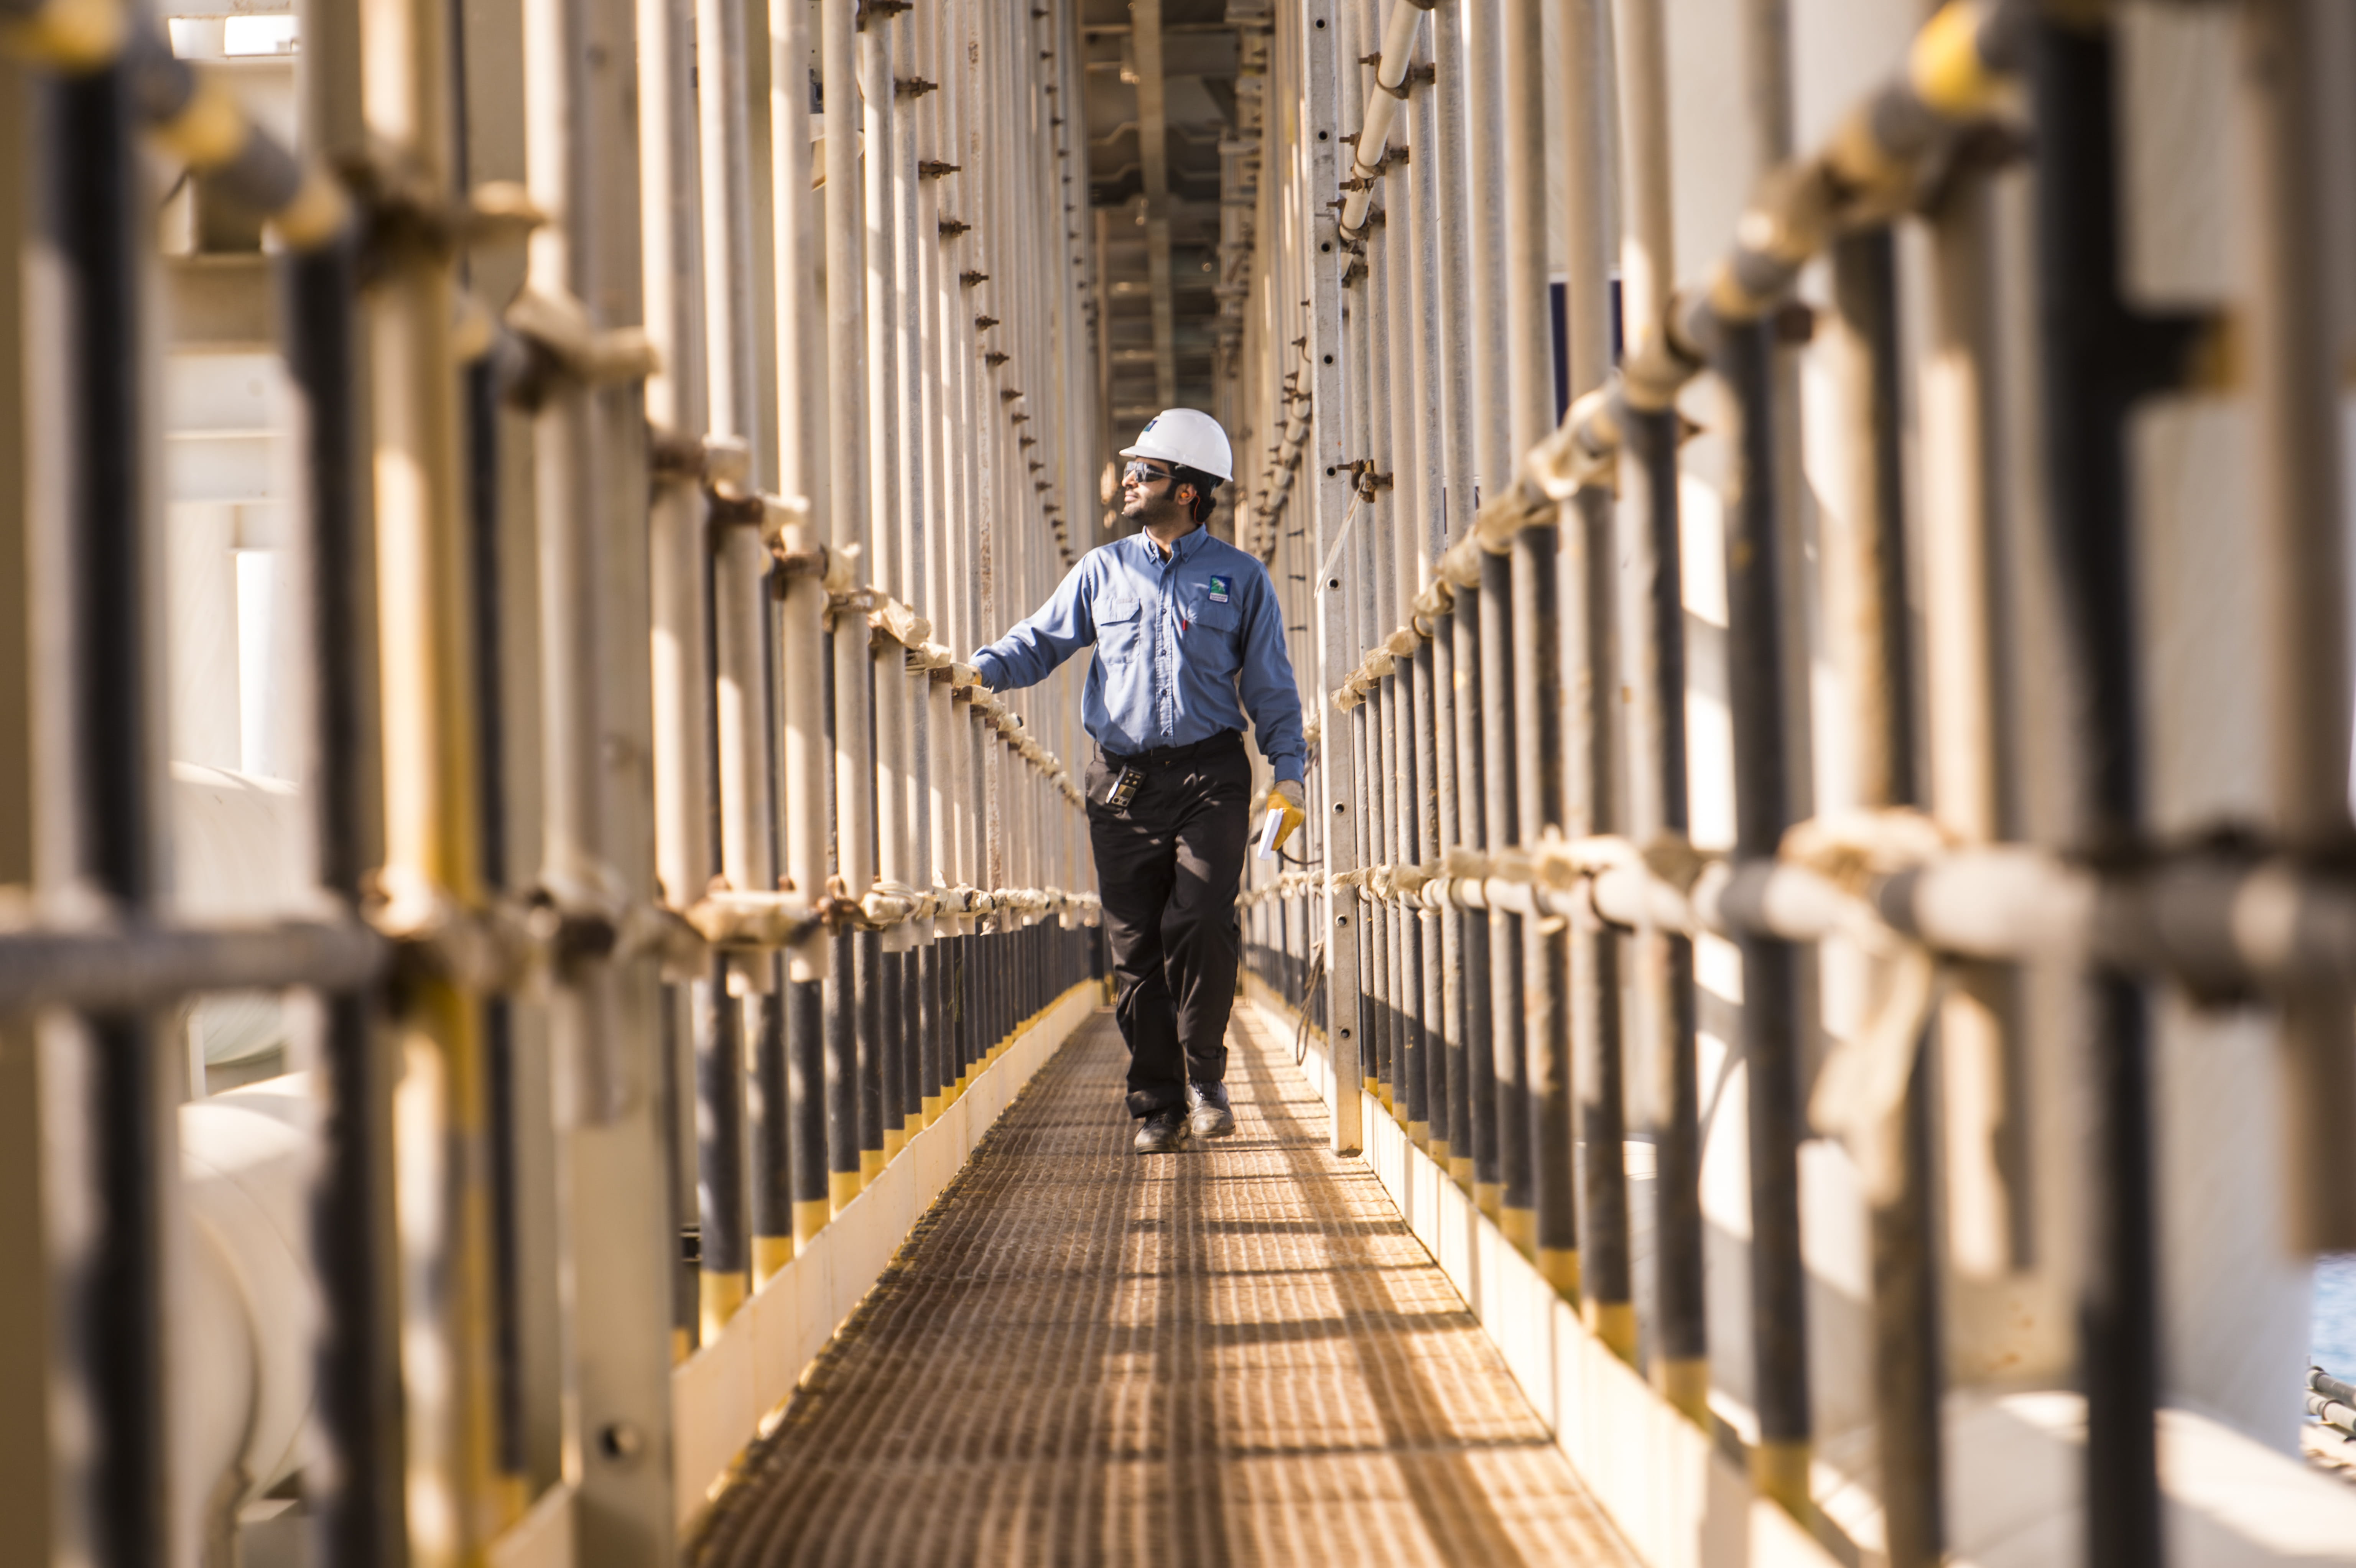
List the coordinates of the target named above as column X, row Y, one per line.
column 1188, row 437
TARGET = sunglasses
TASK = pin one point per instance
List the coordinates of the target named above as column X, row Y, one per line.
column 1145, row 473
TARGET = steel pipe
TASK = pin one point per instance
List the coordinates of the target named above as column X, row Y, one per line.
column 1385, row 93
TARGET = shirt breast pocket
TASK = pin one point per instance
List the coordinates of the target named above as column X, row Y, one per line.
column 1214, row 636
column 1117, row 628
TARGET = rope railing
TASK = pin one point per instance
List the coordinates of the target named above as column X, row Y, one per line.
column 2222, row 918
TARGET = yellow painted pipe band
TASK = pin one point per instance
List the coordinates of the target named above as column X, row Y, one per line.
column 718, row 1298
column 316, row 215
column 1615, row 1323
column 1861, row 160
column 1779, row 1471
column 1520, row 1227
column 1684, row 1382
column 810, row 1216
column 209, row 130
column 71, row 36
column 1945, row 69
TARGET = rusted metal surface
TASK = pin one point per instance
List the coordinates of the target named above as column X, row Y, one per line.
column 1236, row 1354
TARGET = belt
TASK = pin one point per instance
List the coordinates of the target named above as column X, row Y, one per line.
column 1225, row 740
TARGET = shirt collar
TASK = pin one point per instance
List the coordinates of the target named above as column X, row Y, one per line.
column 1188, row 542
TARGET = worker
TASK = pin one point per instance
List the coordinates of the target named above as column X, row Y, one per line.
column 1189, row 637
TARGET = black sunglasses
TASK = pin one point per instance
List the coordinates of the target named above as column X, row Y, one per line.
column 1145, row 473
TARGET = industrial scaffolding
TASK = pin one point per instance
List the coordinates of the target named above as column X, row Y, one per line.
column 648, row 901
column 670, row 407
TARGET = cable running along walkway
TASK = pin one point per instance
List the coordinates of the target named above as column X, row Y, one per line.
column 1236, row 1354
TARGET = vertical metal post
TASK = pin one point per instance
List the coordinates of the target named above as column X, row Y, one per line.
column 1454, row 657
column 2293, row 329
column 29, row 1326
column 1652, row 553
column 357, row 1505
column 1745, row 361
column 1546, row 1001
column 676, row 557
column 1476, row 1162
column 1505, row 1195
column 1374, row 624
column 1906, row 1360
column 735, row 291
column 1334, row 917
column 850, row 678
column 1658, row 811
column 880, row 1128
column 1970, row 646
column 1396, row 276
column 431, row 795
column 591, row 470
column 2099, row 357
column 1425, row 508
column 1591, row 759
column 92, row 232
column 1529, row 402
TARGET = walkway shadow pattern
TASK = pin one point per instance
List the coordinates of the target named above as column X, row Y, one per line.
column 1234, row 1355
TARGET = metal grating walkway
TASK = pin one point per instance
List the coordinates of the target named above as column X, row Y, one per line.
column 1238, row 1354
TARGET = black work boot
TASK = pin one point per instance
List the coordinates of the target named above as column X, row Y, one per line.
column 1212, row 1118
column 1164, row 1133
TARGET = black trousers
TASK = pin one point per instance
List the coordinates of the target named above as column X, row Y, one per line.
column 1167, row 866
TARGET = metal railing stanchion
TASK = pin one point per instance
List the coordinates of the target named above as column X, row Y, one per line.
column 677, row 398
column 581, row 307
column 1454, row 656
column 1475, row 1163
column 89, row 206
column 2302, row 470
column 1424, row 507
column 1745, row 363
column 848, row 683
column 1528, row 405
column 2099, row 357
column 432, row 796
column 1591, row 705
column 1906, row 1372
column 1336, row 921
column 885, row 773
column 357, row 1506
column 1547, row 999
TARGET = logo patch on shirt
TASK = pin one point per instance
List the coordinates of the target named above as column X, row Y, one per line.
column 1219, row 590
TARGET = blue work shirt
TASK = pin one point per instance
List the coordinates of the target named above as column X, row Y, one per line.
column 1185, row 646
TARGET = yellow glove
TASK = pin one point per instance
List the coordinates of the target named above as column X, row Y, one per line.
column 1286, row 795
